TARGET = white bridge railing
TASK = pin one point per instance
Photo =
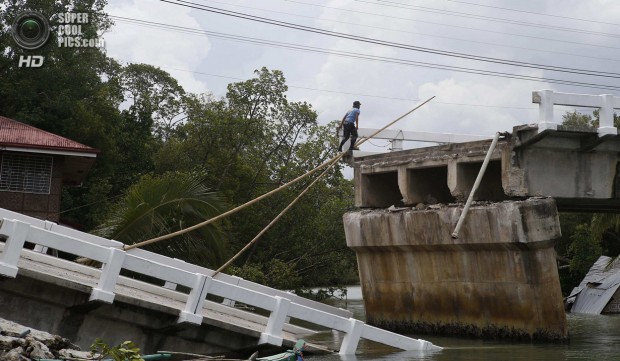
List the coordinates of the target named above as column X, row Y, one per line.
column 605, row 102
column 18, row 229
column 397, row 137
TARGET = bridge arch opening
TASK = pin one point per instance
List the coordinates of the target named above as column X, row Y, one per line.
column 490, row 188
column 428, row 185
column 380, row 190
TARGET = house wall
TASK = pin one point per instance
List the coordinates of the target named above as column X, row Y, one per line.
column 43, row 206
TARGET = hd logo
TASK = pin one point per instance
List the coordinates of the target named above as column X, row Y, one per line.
column 31, row 30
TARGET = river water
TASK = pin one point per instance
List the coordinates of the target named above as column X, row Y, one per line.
column 591, row 338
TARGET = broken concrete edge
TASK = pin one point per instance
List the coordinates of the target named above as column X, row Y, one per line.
column 490, row 332
column 513, row 211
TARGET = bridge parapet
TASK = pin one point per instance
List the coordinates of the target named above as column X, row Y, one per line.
column 19, row 229
column 605, row 102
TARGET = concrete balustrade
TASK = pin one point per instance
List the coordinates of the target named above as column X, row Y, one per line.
column 110, row 272
column 252, row 298
column 548, row 98
column 352, row 337
column 173, row 262
column 280, row 305
column 275, row 324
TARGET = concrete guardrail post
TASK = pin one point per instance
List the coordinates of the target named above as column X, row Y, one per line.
column 275, row 324
column 16, row 233
column 606, row 116
column 104, row 291
column 352, row 338
column 545, row 109
column 195, row 300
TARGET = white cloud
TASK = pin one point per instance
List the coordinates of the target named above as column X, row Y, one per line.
column 353, row 79
column 483, row 119
column 168, row 49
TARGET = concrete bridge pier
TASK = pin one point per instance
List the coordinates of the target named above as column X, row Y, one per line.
column 498, row 279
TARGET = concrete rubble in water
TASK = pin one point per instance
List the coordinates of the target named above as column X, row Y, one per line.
column 19, row 343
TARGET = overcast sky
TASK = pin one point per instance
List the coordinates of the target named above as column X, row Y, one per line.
column 573, row 34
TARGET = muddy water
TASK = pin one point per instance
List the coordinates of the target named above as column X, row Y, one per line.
column 594, row 338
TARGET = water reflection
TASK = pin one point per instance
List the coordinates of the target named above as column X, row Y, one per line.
column 591, row 338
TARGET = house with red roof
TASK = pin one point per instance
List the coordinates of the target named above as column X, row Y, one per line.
column 35, row 165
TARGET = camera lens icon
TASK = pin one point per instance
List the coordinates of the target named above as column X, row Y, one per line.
column 30, row 30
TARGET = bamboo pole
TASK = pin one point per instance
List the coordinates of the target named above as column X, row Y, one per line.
column 264, row 230
column 328, row 164
column 229, row 212
column 483, row 168
column 394, row 121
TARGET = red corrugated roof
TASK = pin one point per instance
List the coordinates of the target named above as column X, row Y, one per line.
column 20, row 135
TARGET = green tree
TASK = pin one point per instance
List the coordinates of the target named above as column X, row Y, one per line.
column 569, row 222
column 578, row 120
column 156, row 99
column 161, row 205
column 250, row 142
column 584, row 251
column 46, row 97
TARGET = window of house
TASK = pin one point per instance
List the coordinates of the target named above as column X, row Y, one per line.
column 26, row 173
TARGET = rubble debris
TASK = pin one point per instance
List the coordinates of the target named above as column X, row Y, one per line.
column 20, row 343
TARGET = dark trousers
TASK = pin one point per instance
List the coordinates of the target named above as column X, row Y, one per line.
column 349, row 131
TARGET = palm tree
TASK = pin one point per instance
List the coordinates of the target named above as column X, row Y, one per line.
column 163, row 204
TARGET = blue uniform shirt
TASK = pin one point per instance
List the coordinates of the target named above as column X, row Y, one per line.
column 351, row 115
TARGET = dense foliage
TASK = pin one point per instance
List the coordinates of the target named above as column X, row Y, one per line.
column 126, row 351
column 170, row 159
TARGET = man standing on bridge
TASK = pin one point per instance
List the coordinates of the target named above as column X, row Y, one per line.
column 350, row 124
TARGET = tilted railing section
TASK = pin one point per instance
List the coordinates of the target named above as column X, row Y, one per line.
column 18, row 228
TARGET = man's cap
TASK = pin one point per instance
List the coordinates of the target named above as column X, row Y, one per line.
column 356, row 103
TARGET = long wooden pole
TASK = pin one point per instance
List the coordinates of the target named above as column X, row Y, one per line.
column 229, row 212
column 255, row 239
column 470, row 198
column 328, row 164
